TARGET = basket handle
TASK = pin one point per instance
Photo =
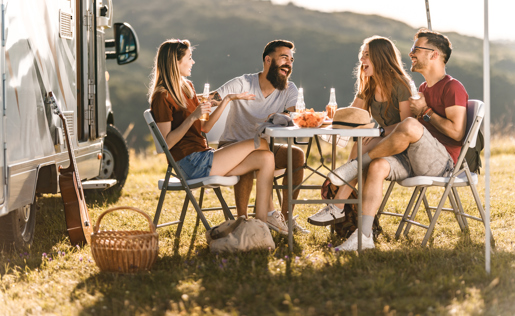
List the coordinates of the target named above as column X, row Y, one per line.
column 150, row 223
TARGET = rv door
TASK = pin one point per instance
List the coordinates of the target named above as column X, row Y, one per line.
column 87, row 83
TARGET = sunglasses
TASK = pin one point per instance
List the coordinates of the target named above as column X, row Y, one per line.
column 414, row 49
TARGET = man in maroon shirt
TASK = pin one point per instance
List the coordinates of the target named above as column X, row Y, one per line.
column 427, row 145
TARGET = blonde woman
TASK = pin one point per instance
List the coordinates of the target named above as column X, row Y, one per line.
column 177, row 111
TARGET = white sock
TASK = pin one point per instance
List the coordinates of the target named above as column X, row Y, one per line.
column 271, row 212
column 368, row 221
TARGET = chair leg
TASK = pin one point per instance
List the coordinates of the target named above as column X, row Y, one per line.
column 225, row 208
column 428, row 209
column 162, row 196
column 278, row 193
column 421, row 197
column 407, row 212
column 182, row 217
column 437, row 212
column 460, row 206
column 481, row 210
column 456, row 210
column 385, row 199
column 197, row 208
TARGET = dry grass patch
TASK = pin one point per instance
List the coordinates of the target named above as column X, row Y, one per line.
column 398, row 277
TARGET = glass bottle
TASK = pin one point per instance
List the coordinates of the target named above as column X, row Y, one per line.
column 414, row 90
column 300, row 107
column 205, row 98
column 332, row 105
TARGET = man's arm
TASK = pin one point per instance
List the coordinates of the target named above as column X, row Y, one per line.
column 453, row 126
column 214, row 98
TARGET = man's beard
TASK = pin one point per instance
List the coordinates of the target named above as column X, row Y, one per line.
column 278, row 80
column 417, row 66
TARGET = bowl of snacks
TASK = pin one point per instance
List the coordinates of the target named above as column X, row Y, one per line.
column 308, row 118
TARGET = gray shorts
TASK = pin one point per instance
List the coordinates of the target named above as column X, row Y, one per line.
column 426, row 157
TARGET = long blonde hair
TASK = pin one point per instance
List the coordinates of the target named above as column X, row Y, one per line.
column 388, row 69
column 166, row 75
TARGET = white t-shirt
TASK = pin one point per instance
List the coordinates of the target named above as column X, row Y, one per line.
column 246, row 115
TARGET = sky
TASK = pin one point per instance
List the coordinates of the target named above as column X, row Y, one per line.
column 462, row 16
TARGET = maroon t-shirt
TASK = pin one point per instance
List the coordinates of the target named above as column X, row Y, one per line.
column 165, row 109
column 445, row 93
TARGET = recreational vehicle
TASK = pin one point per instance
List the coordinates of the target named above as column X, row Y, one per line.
column 57, row 47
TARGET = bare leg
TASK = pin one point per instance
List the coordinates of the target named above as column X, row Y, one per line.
column 373, row 189
column 242, row 191
column 281, row 162
column 407, row 132
column 242, row 158
column 262, row 161
column 345, row 191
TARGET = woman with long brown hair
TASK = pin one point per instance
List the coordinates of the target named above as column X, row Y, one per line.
column 177, row 110
column 383, row 89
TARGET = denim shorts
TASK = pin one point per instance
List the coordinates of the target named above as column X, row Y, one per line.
column 197, row 165
column 425, row 157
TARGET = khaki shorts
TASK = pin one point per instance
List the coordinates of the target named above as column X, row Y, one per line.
column 426, row 157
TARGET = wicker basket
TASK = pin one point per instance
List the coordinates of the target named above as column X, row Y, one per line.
column 124, row 251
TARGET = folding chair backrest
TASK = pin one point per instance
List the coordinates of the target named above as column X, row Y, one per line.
column 475, row 114
column 475, row 110
column 150, row 120
column 159, row 141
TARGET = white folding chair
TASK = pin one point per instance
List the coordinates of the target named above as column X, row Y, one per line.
column 178, row 183
column 460, row 177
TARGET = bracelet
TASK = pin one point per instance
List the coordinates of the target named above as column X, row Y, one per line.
column 426, row 111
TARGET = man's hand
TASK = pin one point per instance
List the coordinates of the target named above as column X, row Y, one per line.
column 417, row 107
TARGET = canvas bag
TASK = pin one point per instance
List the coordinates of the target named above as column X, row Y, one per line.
column 350, row 224
column 239, row 235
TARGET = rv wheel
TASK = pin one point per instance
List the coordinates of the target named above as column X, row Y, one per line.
column 115, row 159
column 17, row 227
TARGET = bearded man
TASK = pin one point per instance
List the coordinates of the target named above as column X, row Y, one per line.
column 274, row 94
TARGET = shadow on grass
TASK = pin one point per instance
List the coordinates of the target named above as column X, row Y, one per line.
column 408, row 280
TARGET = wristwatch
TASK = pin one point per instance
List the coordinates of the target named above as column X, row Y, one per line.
column 381, row 131
column 427, row 115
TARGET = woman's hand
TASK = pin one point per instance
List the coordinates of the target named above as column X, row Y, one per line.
column 241, row 96
column 204, row 107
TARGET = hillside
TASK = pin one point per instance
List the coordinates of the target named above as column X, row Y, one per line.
column 229, row 36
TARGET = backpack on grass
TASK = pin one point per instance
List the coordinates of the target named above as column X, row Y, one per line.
column 350, row 223
column 473, row 155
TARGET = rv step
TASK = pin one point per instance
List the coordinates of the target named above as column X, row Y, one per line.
column 98, row 184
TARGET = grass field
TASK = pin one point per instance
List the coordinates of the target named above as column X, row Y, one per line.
column 399, row 277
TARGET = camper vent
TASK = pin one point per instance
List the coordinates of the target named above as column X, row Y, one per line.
column 65, row 25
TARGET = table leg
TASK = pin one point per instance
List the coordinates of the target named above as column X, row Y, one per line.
column 290, row 196
column 360, row 192
column 333, row 163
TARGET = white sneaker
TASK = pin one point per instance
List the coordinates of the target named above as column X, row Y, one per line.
column 329, row 214
column 297, row 228
column 347, row 172
column 351, row 244
column 276, row 222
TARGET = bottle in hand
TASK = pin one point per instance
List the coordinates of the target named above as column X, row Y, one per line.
column 414, row 91
column 300, row 107
column 205, row 97
column 332, row 105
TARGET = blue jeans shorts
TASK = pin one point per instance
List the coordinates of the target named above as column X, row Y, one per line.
column 197, row 165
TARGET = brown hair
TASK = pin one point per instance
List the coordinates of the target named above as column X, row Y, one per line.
column 388, row 69
column 440, row 41
column 272, row 46
column 166, row 75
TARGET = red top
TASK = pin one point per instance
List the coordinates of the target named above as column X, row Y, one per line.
column 165, row 109
column 445, row 93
